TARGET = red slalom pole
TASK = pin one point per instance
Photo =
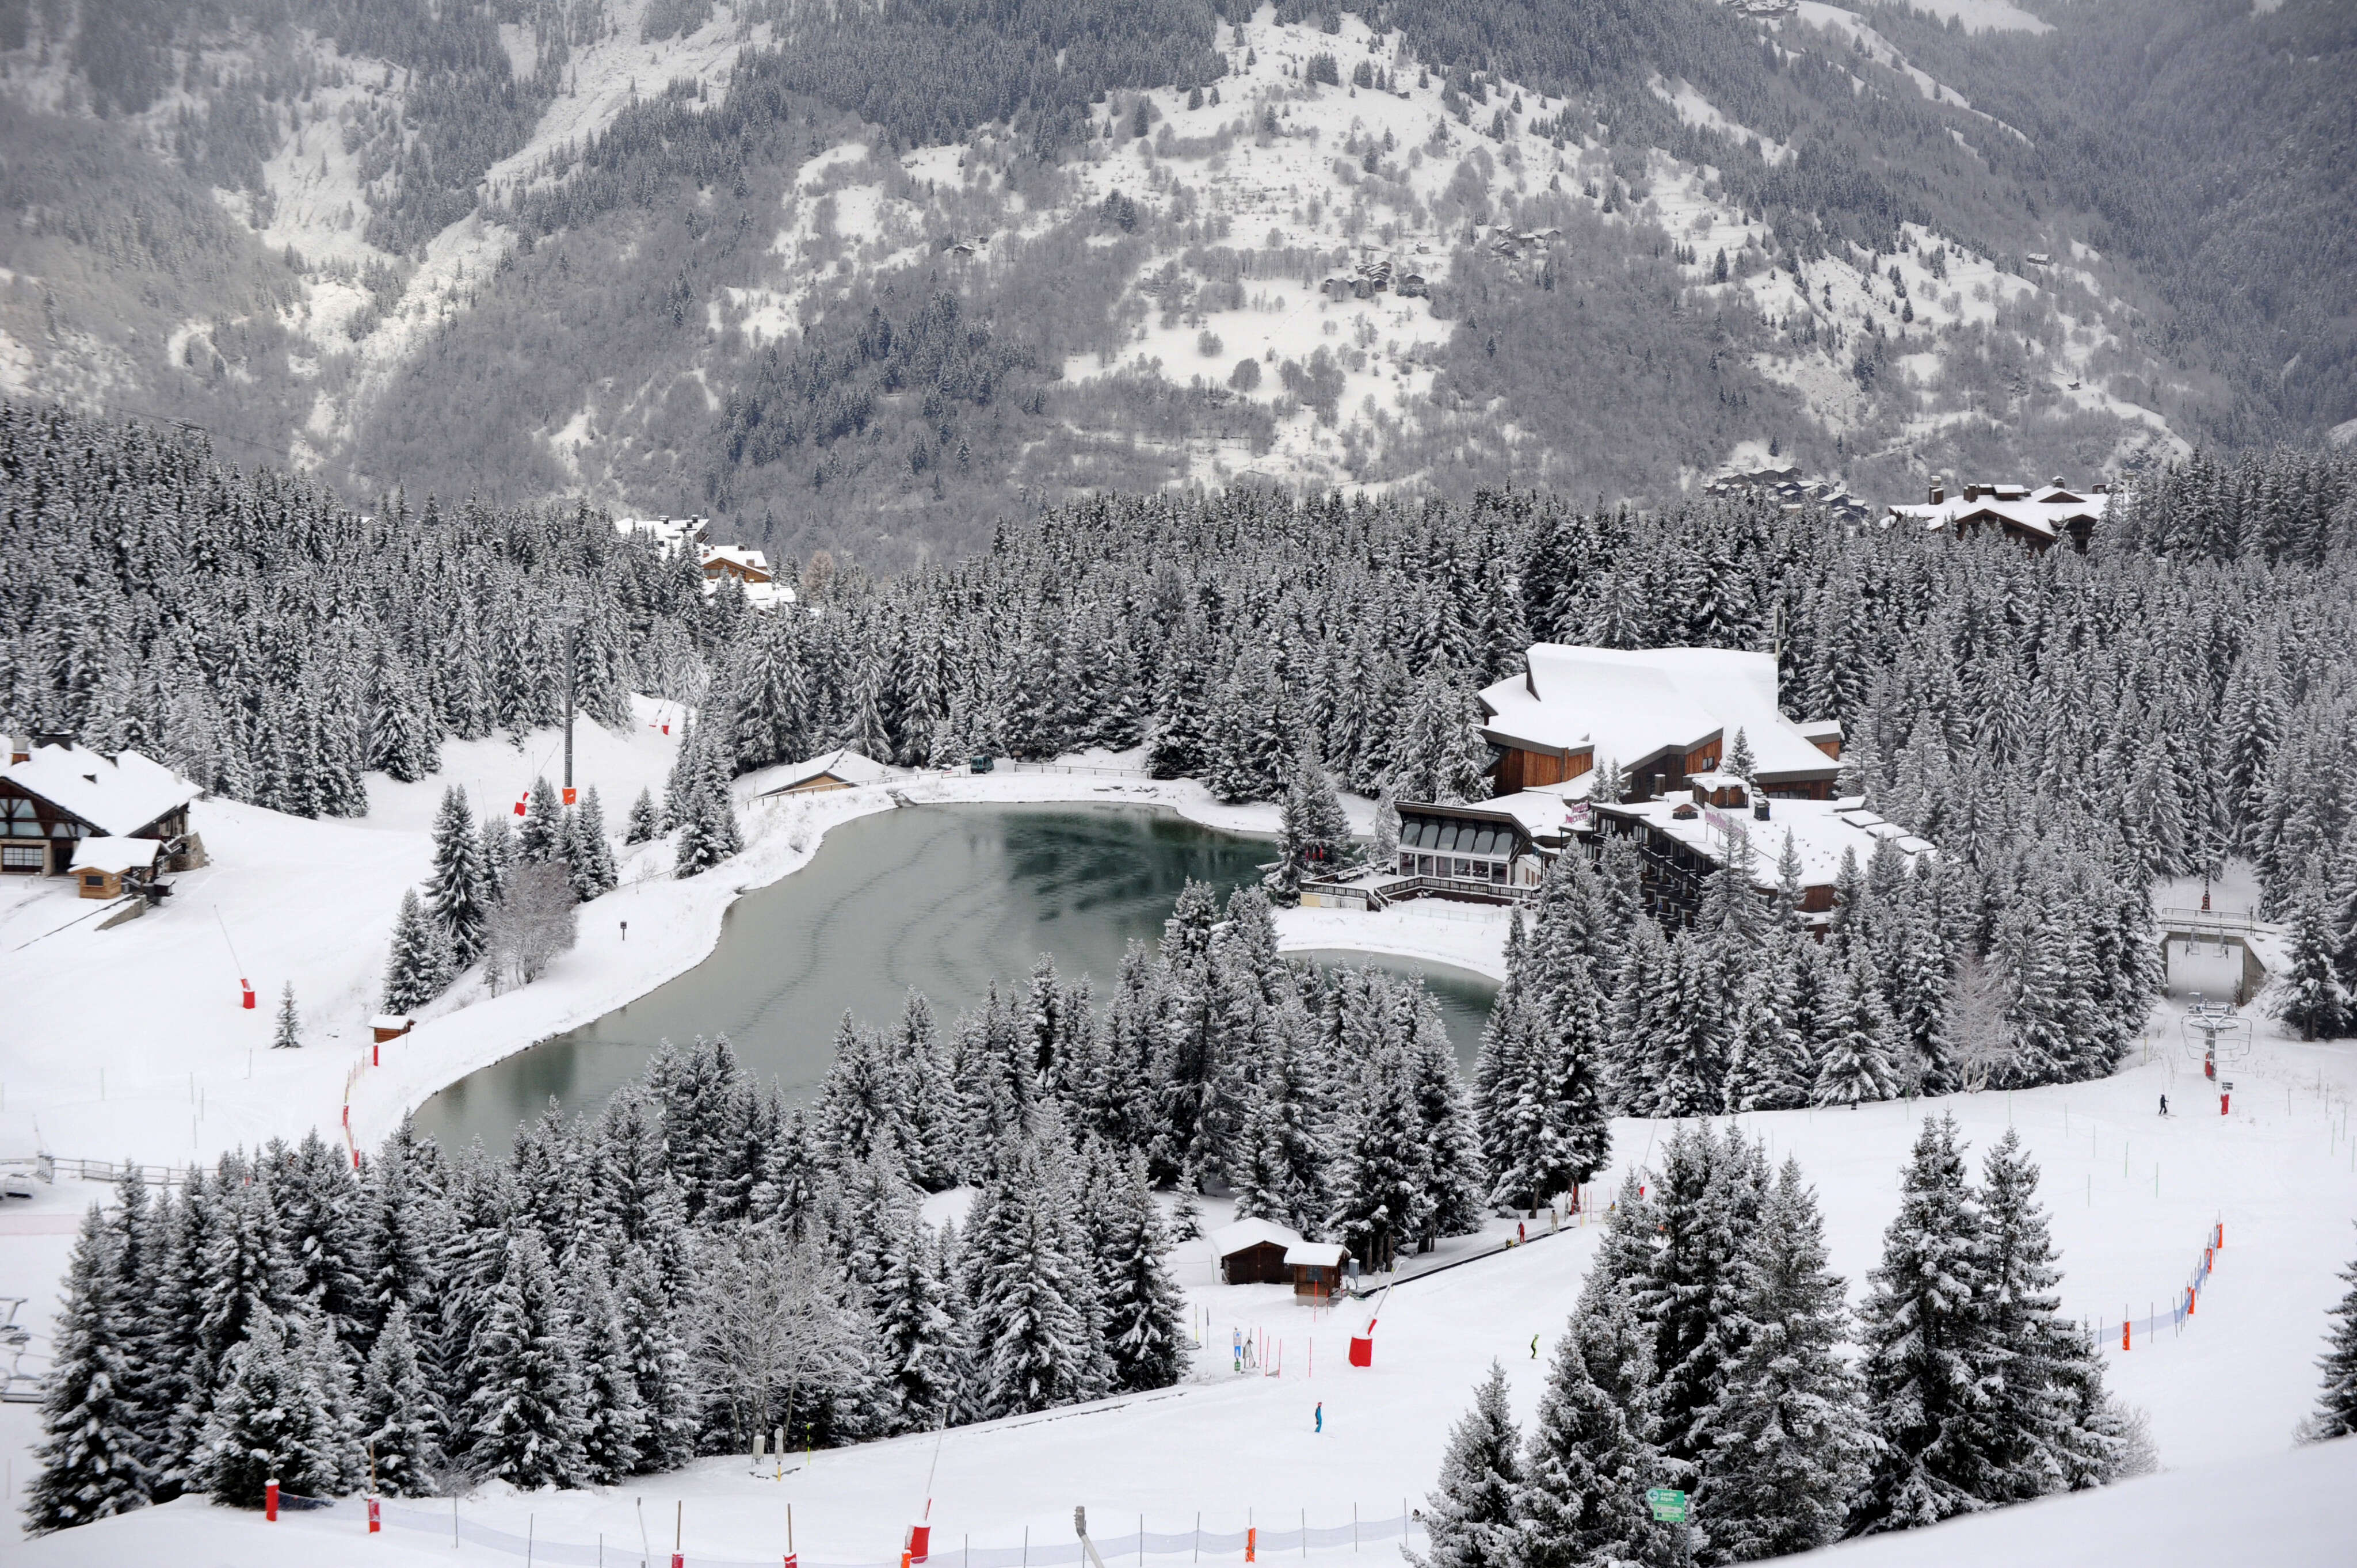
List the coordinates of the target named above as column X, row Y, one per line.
column 270, row 1499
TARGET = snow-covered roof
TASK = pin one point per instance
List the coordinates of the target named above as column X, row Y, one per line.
column 391, row 1021
column 1230, row 1240
column 1821, row 831
column 2042, row 512
column 1315, row 1255
column 841, row 763
column 119, row 795
column 1625, row 705
column 1546, row 813
column 737, row 555
column 671, row 534
column 116, row 855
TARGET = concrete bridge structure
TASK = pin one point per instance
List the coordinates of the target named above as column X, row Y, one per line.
column 2216, row 950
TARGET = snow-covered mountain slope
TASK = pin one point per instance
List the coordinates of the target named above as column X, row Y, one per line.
column 1591, row 312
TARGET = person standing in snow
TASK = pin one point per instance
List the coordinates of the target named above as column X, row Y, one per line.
column 2164, row 1105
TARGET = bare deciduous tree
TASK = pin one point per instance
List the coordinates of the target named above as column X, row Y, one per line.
column 777, row 1327
column 536, row 918
column 1977, row 1031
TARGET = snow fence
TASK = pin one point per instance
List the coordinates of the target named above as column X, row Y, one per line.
column 1266, row 1542
column 2136, row 1332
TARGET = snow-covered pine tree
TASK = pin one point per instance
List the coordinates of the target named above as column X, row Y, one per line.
column 272, row 1421
column 1454, row 1182
column 613, row 1421
column 402, row 740
column 2052, row 1380
column 1854, row 1059
column 656, row 1346
column 417, row 970
column 1443, row 756
column 1177, row 740
column 1144, row 1307
column 769, row 692
column 1929, row 1358
column 90, row 1438
column 286, row 1033
column 1587, row 1463
column 1788, row 1438
column 2336, row 1402
column 1313, row 834
column 319, row 1203
column 1279, row 1163
column 588, row 851
column 645, row 821
column 455, row 888
column 541, row 838
column 919, row 1365
column 1034, row 1302
column 1706, row 1202
column 500, row 858
column 860, row 1106
column 523, row 1421
column 400, row 1418
column 2313, row 1000
column 1740, row 758
column 1380, row 1180
column 1471, row 1516
column 706, row 811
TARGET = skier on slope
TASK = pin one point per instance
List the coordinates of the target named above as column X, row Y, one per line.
column 2164, row 1105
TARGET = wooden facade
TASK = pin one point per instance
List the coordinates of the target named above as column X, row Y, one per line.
column 38, row 836
column 1263, row 1263
column 1521, row 768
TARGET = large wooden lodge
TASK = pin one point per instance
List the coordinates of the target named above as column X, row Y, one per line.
column 62, row 806
column 1667, row 720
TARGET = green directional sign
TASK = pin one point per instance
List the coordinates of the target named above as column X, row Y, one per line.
column 1668, row 1503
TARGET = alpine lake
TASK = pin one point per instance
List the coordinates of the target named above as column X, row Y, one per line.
column 945, row 899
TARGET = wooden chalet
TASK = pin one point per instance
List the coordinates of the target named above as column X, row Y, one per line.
column 1659, row 715
column 1316, row 1267
column 110, row 867
column 842, row 769
column 2036, row 517
column 56, row 798
column 1253, row 1252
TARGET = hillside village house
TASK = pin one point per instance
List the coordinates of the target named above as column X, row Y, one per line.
column 57, row 799
column 842, row 769
column 1667, row 718
column 2036, row 517
column 671, row 534
column 750, row 568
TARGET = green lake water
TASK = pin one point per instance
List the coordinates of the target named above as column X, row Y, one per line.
column 943, row 898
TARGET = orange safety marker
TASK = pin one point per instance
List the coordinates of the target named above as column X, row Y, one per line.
column 375, row 1525
column 1252, row 1544
column 2123, row 1333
